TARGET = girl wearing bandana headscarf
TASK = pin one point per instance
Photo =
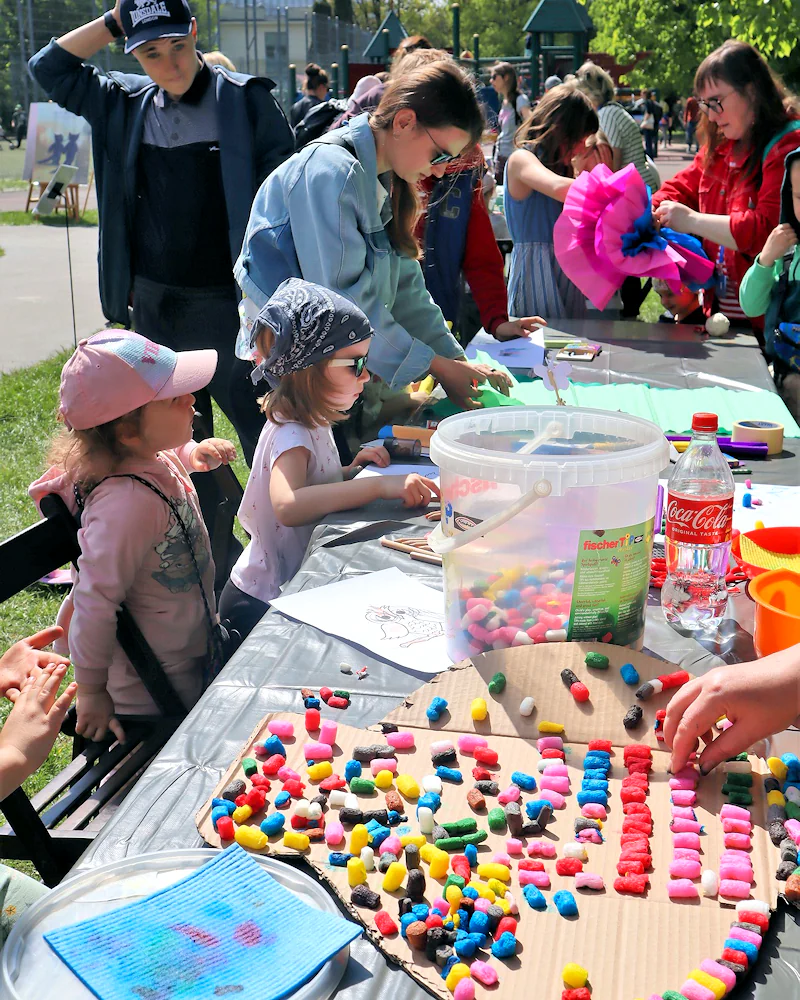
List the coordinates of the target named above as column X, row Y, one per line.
column 311, row 346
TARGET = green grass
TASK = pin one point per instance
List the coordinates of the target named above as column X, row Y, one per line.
column 28, row 403
column 11, row 164
column 651, row 308
column 89, row 218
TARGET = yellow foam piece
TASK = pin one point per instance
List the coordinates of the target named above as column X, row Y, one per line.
column 717, row 987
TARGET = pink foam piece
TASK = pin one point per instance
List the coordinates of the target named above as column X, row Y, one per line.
column 721, row 972
column 743, row 934
column 682, row 784
column 556, row 799
column 511, row 794
column 685, row 854
column 693, row 990
column 286, row 772
column 441, row 906
column 476, row 602
column 688, row 772
column 736, row 870
column 477, row 612
column 684, row 868
column 792, row 827
column 555, row 770
column 469, row 743
column 691, row 840
column 383, row 764
column 327, row 732
column 729, row 811
column 482, row 904
column 500, row 858
column 282, row 728
column 741, row 841
column 465, row 989
column 684, row 798
column 590, row 837
column 549, row 743
column 392, row 845
column 317, row 751
column 483, row 972
column 734, row 888
column 682, row 812
column 539, row 879
column 478, row 632
column 542, row 849
column 442, row 746
column 593, row 810
column 514, row 846
column 554, row 784
column 587, row 880
column 681, row 888
column 334, row 833
column 403, row 739
column 736, row 855
column 685, row 826
column 736, row 826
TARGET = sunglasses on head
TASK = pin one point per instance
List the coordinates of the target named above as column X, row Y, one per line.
column 356, row 363
column 442, row 156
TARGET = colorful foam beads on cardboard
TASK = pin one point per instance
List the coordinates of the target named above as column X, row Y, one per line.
column 565, row 903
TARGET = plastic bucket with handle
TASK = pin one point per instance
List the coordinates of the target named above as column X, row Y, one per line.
column 547, row 525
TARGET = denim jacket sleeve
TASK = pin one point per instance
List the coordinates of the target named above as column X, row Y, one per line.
column 417, row 312
column 334, row 250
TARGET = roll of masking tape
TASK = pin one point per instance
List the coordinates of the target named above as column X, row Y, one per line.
column 763, row 431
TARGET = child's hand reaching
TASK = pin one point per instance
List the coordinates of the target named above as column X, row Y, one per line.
column 413, row 490
column 32, row 725
column 779, row 242
column 211, row 453
column 26, row 657
column 96, row 714
column 371, row 455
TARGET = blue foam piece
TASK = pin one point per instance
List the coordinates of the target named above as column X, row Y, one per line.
column 431, row 800
column 312, row 703
column 448, row 965
column 505, row 946
column 274, row 823
column 405, row 920
column 467, row 945
column 601, row 798
column 204, row 930
column 217, row 814
column 339, row 859
column 451, row 774
column 746, row 946
column 629, row 674
column 224, row 804
column 469, row 892
column 598, row 773
column 435, row 709
column 471, row 854
column 526, row 782
column 479, row 923
column 274, row 745
column 535, row 806
column 420, row 910
column 534, row 897
column 594, row 785
column 565, row 903
column 352, row 769
column 394, row 818
column 282, row 799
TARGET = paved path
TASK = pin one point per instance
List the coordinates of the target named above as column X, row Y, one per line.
column 35, row 294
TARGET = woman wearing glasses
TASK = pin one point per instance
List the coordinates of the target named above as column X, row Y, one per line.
column 341, row 213
column 730, row 196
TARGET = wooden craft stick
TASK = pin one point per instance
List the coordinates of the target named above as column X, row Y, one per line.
column 389, row 543
column 431, row 557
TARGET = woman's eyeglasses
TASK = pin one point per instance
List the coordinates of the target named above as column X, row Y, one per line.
column 712, row 104
column 442, row 156
column 356, row 363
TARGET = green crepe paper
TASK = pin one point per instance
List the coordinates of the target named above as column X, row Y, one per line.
column 669, row 409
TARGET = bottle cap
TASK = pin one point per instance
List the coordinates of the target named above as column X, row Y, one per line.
column 705, row 422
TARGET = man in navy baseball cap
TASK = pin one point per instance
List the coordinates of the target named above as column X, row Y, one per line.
column 148, row 20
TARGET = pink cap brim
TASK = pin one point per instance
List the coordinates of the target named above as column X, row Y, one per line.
column 193, row 371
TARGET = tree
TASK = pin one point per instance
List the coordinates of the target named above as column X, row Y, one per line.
column 343, row 9
column 680, row 33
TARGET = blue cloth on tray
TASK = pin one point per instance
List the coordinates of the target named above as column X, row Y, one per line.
column 228, row 929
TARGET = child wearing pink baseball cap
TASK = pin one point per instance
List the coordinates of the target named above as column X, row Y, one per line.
column 123, row 459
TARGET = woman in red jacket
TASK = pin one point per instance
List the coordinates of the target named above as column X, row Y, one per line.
column 730, row 196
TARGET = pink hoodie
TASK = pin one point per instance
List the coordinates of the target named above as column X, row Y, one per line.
column 133, row 551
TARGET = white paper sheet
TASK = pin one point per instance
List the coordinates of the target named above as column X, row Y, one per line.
column 388, row 613
column 524, row 352
column 399, row 469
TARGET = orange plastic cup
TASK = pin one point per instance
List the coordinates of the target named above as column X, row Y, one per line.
column 777, row 599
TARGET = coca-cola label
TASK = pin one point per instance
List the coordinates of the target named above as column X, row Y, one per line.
column 698, row 520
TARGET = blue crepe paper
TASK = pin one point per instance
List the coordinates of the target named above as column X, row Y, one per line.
column 228, row 929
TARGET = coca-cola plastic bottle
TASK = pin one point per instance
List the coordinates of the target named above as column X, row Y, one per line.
column 699, row 523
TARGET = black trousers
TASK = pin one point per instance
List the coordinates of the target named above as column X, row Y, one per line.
column 240, row 611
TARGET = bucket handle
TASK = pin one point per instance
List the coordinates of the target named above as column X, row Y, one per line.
column 443, row 544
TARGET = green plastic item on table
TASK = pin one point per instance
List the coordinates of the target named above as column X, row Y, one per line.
column 743, row 780
column 459, row 843
column 496, row 819
column 460, row 827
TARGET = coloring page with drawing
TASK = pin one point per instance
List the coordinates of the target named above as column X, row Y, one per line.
column 387, row 613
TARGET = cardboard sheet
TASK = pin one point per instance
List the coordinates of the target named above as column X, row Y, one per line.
column 632, row 946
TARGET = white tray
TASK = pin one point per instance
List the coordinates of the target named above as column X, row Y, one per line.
column 31, row 970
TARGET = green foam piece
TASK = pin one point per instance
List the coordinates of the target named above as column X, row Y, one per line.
column 459, row 843
column 497, row 683
column 735, row 778
column 496, row 819
column 249, row 766
column 461, row 827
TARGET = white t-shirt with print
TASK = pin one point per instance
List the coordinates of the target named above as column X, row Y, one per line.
column 509, row 123
column 275, row 552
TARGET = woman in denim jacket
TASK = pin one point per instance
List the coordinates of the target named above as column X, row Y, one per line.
column 341, row 213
